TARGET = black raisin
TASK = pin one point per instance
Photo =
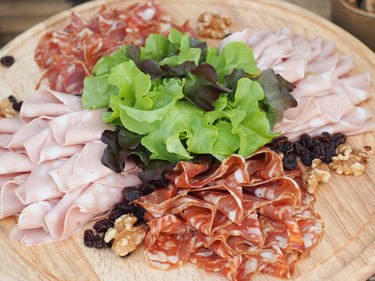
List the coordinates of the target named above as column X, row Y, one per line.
column 330, row 151
column 99, row 242
column 103, row 225
column 338, row 139
column 290, row 161
column 115, row 214
column 318, row 149
column 307, row 158
column 325, row 137
column 124, row 207
column 7, row 61
column 299, row 149
column 15, row 104
column 139, row 213
column 88, row 238
column 307, row 141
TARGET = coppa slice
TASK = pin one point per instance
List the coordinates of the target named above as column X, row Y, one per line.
column 265, row 226
column 68, row 56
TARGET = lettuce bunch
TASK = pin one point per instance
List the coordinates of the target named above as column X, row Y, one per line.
column 181, row 98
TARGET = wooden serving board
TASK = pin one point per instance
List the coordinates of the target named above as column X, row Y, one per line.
column 347, row 204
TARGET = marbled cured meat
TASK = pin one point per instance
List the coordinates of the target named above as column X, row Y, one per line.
column 243, row 217
column 66, row 57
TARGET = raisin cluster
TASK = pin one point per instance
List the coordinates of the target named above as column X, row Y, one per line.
column 307, row 148
column 95, row 238
column 15, row 103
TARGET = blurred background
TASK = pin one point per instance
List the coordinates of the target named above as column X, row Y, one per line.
column 18, row 15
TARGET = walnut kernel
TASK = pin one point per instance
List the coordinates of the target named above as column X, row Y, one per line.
column 349, row 160
column 6, row 109
column 125, row 235
column 213, row 26
column 318, row 173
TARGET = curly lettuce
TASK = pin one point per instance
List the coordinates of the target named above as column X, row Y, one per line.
column 182, row 98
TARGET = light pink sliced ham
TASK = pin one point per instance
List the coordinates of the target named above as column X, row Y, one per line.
column 321, row 78
column 40, row 185
column 43, row 147
column 30, row 237
column 51, row 172
column 9, row 203
column 32, row 216
column 15, row 142
column 78, row 127
column 10, row 125
column 13, row 162
column 49, row 103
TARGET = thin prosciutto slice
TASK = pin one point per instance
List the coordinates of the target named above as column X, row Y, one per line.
column 322, row 78
column 51, row 173
column 243, row 217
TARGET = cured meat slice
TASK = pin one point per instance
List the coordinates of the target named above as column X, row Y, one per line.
column 68, row 56
column 170, row 251
column 243, row 219
column 225, row 203
column 168, row 224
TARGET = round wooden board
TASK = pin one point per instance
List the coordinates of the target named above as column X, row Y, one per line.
column 347, row 204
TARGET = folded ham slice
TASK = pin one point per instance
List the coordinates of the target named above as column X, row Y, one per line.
column 321, row 78
column 51, row 172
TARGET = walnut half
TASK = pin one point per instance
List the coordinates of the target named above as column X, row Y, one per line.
column 6, row 109
column 213, row 26
column 318, row 173
column 125, row 235
column 349, row 160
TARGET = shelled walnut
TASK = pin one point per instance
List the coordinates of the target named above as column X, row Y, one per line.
column 126, row 237
column 349, row 160
column 318, row 173
column 213, row 26
column 6, row 109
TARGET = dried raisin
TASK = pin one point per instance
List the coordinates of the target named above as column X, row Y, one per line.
column 290, row 161
column 7, row 61
column 103, row 225
column 89, row 238
column 99, row 242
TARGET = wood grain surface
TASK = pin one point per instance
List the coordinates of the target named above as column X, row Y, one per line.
column 347, row 204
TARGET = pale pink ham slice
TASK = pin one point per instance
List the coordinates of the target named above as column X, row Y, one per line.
column 355, row 122
column 292, row 70
column 87, row 203
column 10, row 125
column 9, row 203
column 40, row 185
column 32, row 216
column 340, row 65
column 315, row 85
column 43, row 147
column 15, row 142
column 82, row 169
column 13, row 162
column 78, row 127
column 49, row 103
column 30, row 237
